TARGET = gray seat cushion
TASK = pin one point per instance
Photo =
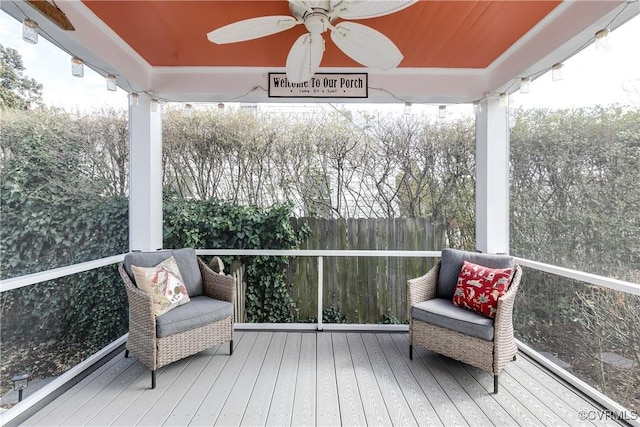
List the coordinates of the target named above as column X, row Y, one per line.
column 200, row 311
column 451, row 261
column 441, row 312
column 185, row 258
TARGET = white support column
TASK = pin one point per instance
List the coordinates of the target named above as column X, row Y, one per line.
column 145, row 176
column 492, row 178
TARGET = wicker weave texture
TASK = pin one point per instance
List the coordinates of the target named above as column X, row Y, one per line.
column 491, row 356
column 505, row 343
column 216, row 285
column 471, row 350
column 142, row 322
column 178, row 346
column 156, row 352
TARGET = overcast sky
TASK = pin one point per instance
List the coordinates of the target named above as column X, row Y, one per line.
column 591, row 77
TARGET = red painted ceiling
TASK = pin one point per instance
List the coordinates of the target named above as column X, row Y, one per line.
column 430, row 33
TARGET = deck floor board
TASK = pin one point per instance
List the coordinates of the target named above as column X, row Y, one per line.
column 318, row 378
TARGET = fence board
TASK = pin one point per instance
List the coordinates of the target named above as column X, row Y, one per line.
column 365, row 288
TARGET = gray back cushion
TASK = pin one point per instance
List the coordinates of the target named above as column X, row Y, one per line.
column 451, row 262
column 185, row 258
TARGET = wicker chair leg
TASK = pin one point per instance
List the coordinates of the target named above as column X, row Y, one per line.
column 153, row 379
column 126, row 353
column 230, row 347
column 495, row 384
column 515, row 356
column 410, row 351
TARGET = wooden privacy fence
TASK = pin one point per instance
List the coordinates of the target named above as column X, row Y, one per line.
column 364, row 289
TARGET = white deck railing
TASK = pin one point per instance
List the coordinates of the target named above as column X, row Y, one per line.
column 56, row 273
column 615, row 284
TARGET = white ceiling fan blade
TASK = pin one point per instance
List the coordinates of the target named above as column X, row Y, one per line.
column 361, row 9
column 305, row 4
column 304, row 57
column 367, row 46
column 252, row 28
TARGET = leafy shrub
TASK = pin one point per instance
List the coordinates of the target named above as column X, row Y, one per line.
column 214, row 224
column 53, row 214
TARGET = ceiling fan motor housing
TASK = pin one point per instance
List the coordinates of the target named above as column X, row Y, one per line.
column 316, row 15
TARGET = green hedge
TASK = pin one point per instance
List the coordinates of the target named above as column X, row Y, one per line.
column 214, row 224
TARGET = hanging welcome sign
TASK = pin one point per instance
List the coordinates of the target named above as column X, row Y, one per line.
column 321, row 85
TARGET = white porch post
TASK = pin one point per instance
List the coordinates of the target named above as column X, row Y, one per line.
column 492, row 178
column 145, row 176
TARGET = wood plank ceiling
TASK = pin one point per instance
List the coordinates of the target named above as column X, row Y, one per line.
column 442, row 34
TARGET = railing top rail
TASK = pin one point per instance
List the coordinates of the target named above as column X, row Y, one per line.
column 320, row 252
column 34, row 278
column 594, row 279
column 56, row 273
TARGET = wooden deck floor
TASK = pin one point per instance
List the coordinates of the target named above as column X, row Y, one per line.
column 326, row 378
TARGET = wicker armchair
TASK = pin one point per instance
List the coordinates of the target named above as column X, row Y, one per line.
column 205, row 321
column 458, row 332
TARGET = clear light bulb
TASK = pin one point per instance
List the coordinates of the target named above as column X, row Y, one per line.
column 77, row 67
column 111, row 83
column 30, row 31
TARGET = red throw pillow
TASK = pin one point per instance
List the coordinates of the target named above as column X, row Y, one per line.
column 480, row 287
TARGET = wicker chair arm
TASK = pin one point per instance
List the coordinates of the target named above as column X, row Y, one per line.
column 423, row 288
column 218, row 286
column 503, row 323
column 504, row 312
column 140, row 306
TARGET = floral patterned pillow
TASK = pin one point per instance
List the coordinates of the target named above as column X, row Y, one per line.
column 479, row 288
column 164, row 283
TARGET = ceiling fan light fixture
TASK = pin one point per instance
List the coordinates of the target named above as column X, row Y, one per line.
column 316, row 23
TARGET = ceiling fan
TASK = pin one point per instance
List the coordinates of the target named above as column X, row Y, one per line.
column 361, row 43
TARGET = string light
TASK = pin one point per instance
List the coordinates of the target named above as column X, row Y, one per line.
column 442, row 111
column 407, row 108
column 602, row 40
column 557, row 72
column 187, row 110
column 525, row 84
column 133, row 99
column 77, row 67
column 30, row 31
column 111, row 83
column 220, row 106
column 504, row 100
column 154, row 105
column 477, row 107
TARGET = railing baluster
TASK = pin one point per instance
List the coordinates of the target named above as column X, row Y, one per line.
column 320, row 292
